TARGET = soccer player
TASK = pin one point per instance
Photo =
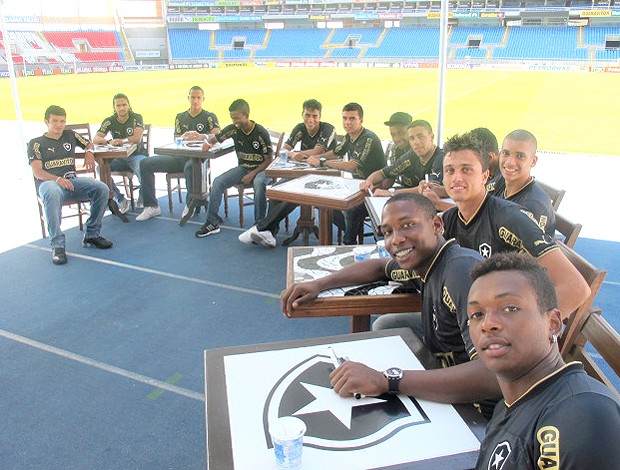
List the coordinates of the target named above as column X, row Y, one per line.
column 553, row 414
column 421, row 257
column 52, row 159
column 193, row 124
column 314, row 137
column 365, row 155
column 424, row 159
column 254, row 154
column 124, row 126
column 516, row 159
column 488, row 145
column 491, row 225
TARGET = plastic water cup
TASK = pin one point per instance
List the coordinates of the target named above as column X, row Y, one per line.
column 383, row 253
column 283, row 155
column 179, row 142
column 362, row 253
column 287, row 435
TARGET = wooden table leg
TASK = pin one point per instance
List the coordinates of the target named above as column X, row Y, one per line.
column 326, row 219
column 360, row 323
column 304, row 227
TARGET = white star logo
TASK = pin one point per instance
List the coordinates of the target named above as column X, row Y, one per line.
column 328, row 400
column 498, row 459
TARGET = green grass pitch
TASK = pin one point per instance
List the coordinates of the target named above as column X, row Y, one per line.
column 573, row 112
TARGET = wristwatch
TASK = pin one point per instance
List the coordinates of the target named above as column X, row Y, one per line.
column 322, row 161
column 393, row 374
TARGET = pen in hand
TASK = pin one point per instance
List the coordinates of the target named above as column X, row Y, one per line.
column 336, row 361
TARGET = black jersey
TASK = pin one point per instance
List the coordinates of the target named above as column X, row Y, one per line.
column 495, row 183
column 497, row 226
column 535, row 200
column 122, row 130
column 252, row 148
column 325, row 137
column 409, row 171
column 367, row 151
column 57, row 156
column 204, row 122
column 444, row 301
column 568, row 420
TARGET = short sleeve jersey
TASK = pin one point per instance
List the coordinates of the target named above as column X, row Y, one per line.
column 122, row 130
column 535, row 200
column 497, row 226
column 494, row 183
column 566, row 420
column 367, row 151
column 409, row 170
column 444, row 302
column 252, row 148
column 325, row 137
column 204, row 122
column 57, row 156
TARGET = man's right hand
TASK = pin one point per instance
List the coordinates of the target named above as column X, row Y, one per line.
column 65, row 183
column 297, row 294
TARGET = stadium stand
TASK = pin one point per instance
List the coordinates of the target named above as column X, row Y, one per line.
column 95, row 39
column 542, row 43
column 251, row 37
column 295, row 43
column 407, row 42
column 190, row 44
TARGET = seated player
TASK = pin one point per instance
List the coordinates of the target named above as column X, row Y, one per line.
column 489, row 146
column 193, row 124
column 365, row 155
column 553, row 414
column 315, row 137
column 491, row 225
column 423, row 160
column 420, row 257
column 124, row 126
column 517, row 157
column 254, row 153
column 52, row 159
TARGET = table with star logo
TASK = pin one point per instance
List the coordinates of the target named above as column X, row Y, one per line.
column 247, row 387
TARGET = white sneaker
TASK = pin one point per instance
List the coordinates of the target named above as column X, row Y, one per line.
column 123, row 206
column 246, row 237
column 264, row 237
column 149, row 212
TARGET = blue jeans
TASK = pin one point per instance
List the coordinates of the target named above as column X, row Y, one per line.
column 354, row 218
column 85, row 189
column 162, row 164
column 227, row 180
column 123, row 164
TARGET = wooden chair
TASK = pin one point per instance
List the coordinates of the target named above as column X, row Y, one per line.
column 556, row 195
column 78, row 211
column 84, row 130
column 597, row 332
column 127, row 175
column 245, row 192
column 594, row 277
column 568, row 230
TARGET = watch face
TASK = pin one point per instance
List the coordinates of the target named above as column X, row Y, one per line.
column 394, row 372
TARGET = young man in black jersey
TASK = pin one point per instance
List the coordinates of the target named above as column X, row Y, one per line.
column 314, row 137
column 254, row 154
column 365, row 156
column 553, row 414
column 193, row 124
column 491, row 225
column 52, row 159
column 489, row 146
column 421, row 257
column 423, row 160
column 124, row 126
column 517, row 157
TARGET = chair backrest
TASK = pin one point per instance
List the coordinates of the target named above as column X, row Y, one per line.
column 82, row 129
column 556, row 195
column 277, row 137
column 569, row 230
column 146, row 139
column 594, row 277
column 597, row 332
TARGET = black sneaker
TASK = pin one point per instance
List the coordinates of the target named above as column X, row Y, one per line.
column 59, row 256
column 97, row 242
column 207, row 229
